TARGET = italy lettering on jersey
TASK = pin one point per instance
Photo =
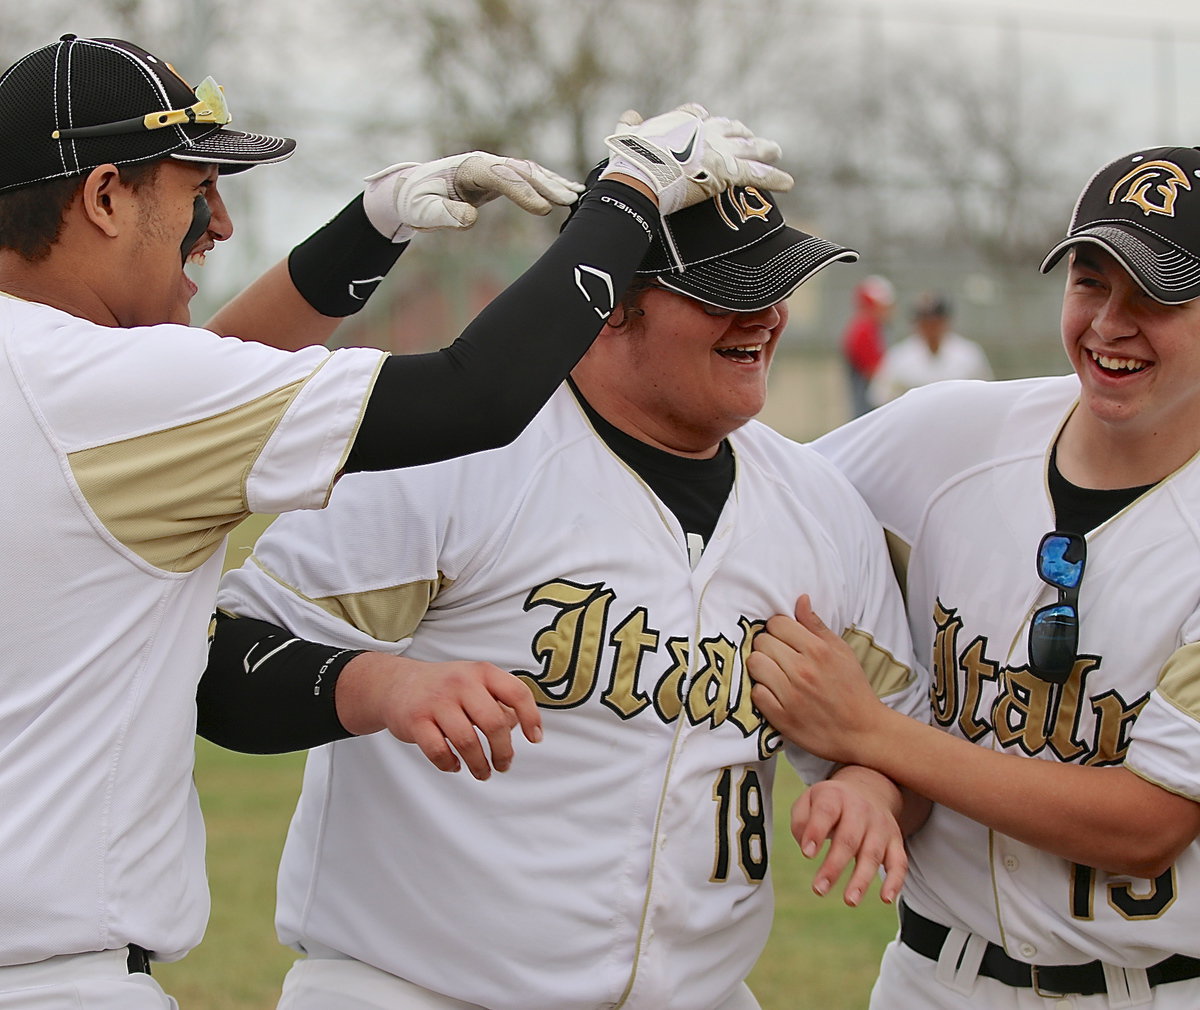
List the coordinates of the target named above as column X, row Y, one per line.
column 634, row 838
column 1070, row 721
column 957, row 474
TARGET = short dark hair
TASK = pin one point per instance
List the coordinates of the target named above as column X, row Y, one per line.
column 31, row 217
column 631, row 299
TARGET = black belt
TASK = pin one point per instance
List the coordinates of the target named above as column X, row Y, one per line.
column 927, row 937
column 139, row 960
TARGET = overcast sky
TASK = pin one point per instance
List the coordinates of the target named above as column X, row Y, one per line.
column 1182, row 12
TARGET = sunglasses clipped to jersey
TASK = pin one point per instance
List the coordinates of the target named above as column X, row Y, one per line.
column 1054, row 629
column 209, row 110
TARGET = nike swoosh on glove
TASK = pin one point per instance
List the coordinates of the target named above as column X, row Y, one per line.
column 686, row 156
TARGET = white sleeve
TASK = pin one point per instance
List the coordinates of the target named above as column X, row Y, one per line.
column 359, row 574
column 872, row 621
column 1166, row 736
column 216, row 410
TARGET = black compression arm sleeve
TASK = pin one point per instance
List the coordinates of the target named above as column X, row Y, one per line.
column 339, row 266
column 481, row 391
column 265, row 691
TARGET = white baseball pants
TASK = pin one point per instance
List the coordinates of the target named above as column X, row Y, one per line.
column 326, row 983
column 908, row 979
column 96, row 981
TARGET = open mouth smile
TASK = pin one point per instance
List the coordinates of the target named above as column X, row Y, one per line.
column 1118, row 365
column 746, row 353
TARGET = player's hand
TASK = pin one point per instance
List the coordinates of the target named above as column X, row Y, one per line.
column 809, row 686
column 443, row 708
column 686, row 156
column 446, row 193
column 854, row 812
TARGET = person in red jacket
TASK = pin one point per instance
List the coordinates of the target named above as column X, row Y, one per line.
column 863, row 342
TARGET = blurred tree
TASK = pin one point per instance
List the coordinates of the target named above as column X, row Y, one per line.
column 916, row 134
column 517, row 76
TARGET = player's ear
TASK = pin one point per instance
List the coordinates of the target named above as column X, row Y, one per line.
column 104, row 199
column 621, row 316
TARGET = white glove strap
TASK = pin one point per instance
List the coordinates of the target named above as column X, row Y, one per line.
column 380, row 201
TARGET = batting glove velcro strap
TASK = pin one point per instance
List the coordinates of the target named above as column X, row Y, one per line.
column 686, row 156
column 446, row 193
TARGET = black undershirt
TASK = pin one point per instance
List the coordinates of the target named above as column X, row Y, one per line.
column 693, row 489
column 1081, row 509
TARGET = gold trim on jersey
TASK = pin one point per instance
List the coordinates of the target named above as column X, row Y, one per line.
column 388, row 614
column 362, row 412
column 172, row 496
column 886, row 674
column 1179, row 681
column 899, row 551
column 1161, row 785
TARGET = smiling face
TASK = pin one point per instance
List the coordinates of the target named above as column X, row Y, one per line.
column 1138, row 363
column 678, row 376
column 166, row 212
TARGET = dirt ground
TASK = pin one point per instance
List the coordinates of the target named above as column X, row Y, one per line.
column 807, row 395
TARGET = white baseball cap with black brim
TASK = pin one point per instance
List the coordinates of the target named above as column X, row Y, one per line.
column 1144, row 209
column 78, row 103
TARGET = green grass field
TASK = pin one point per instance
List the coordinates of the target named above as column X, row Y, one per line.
column 821, row 954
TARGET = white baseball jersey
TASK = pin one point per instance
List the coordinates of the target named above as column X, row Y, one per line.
column 113, row 541
column 957, row 473
column 910, row 364
column 623, row 860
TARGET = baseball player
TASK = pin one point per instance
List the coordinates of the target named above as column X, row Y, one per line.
column 933, row 352
column 618, row 559
column 134, row 442
column 1049, row 530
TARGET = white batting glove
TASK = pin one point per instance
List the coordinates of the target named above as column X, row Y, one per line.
column 410, row 197
column 686, row 156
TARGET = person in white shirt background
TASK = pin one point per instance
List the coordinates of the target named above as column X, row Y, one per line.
column 931, row 353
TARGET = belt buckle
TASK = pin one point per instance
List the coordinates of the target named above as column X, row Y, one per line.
column 1035, row 979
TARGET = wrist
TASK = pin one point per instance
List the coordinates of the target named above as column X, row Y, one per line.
column 339, row 266
column 881, row 743
column 868, row 780
column 361, row 687
column 633, row 183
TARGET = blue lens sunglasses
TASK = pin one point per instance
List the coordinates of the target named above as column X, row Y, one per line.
column 1054, row 630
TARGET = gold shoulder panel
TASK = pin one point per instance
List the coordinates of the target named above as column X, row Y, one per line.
column 886, row 674
column 171, row 496
column 899, row 552
column 1179, row 681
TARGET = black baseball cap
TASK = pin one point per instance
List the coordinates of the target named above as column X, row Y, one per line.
column 734, row 250
column 1144, row 209
column 78, row 103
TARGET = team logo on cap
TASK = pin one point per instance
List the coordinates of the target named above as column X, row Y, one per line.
column 1164, row 176
column 743, row 203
